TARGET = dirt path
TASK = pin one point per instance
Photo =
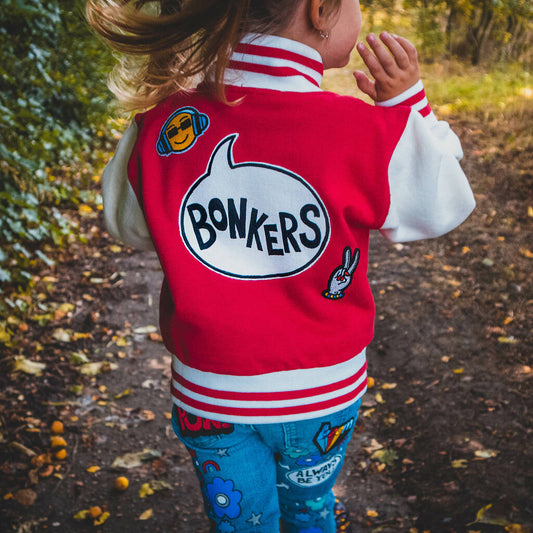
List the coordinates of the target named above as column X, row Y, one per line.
column 443, row 434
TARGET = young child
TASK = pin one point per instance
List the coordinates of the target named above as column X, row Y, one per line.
column 258, row 191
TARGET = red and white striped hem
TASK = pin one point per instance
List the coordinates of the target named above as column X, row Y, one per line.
column 259, row 399
column 414, row 97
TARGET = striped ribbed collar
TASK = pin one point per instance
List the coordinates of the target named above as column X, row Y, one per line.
column 277, row 63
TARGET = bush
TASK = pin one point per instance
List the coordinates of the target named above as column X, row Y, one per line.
column 52, row 103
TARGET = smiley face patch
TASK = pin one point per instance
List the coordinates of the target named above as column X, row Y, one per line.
column 181, row 130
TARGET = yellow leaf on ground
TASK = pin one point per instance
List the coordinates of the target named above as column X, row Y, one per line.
column 460, row 463
column 145, row 490
column 371, row 513
column 122, row 394
column 93, row 469
column 82, row 515
column 102, row 518
column 28, row 367
column 379, row 398
column 507, row 340
column 389, row 386
column 146, row 515
column 526, row 253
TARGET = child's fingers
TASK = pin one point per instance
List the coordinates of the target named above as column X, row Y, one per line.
column 386, row 60
column 396, row 49
column 371, row 61
column 365, row 84
column 409, row 47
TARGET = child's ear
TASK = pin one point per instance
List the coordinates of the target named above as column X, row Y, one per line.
column 316, row 15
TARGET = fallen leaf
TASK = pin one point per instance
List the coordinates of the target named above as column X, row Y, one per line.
column 5, row 336
column 82, row 515
column 93, row 369
column 379, row 398
column 486, row 454
column 145, row 330
column 93, row 469
column 62, row 335
column 390, row 419
column 78, row 358
column 123, row 394
column 484, row 516
column 27, row 366
column 159, row 484
column 460, row 463
column 102, row 518
column 133, row 460
column 526, row 253
column 25, row 497
column 120, row 341
column 145, row 490
column 146, row 515
column 371, row 513
column 385, row 456
column 47, row 472
column 389, row 386
column 63, row 310
column 507, row 340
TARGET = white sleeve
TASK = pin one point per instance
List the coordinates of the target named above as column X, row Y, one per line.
column 429, row 192
column 123, row 216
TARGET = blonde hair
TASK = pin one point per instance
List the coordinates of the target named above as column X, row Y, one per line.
column 165, row 46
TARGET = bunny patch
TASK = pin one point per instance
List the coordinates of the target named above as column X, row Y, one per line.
column 342, row 276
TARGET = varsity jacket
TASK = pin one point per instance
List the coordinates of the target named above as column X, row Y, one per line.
column 260, row 213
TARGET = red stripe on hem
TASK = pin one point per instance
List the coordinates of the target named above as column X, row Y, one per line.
column 269, row 396
column 278, row 53
column 280, row 72
column 425, row 111
column 418, row 97
column 268, row 412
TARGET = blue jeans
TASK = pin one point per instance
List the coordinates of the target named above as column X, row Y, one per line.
column 254, row 477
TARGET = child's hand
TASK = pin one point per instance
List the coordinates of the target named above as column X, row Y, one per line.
column 393, row 66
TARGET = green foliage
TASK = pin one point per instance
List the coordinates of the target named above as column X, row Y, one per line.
column 478, row 30
column 52, row 100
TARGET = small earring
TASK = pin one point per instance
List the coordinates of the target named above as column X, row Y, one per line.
column 324, row 34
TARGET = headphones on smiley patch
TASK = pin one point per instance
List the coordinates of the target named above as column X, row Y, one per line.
column 197, row 120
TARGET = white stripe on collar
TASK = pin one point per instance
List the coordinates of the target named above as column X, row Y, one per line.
column 277, row 63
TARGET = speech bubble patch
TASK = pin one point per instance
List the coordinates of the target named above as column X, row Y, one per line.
column 253, row 220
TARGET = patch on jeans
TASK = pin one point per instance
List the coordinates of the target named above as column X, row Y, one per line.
column 314, row 475
column 328, row 437
column 195, row 426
